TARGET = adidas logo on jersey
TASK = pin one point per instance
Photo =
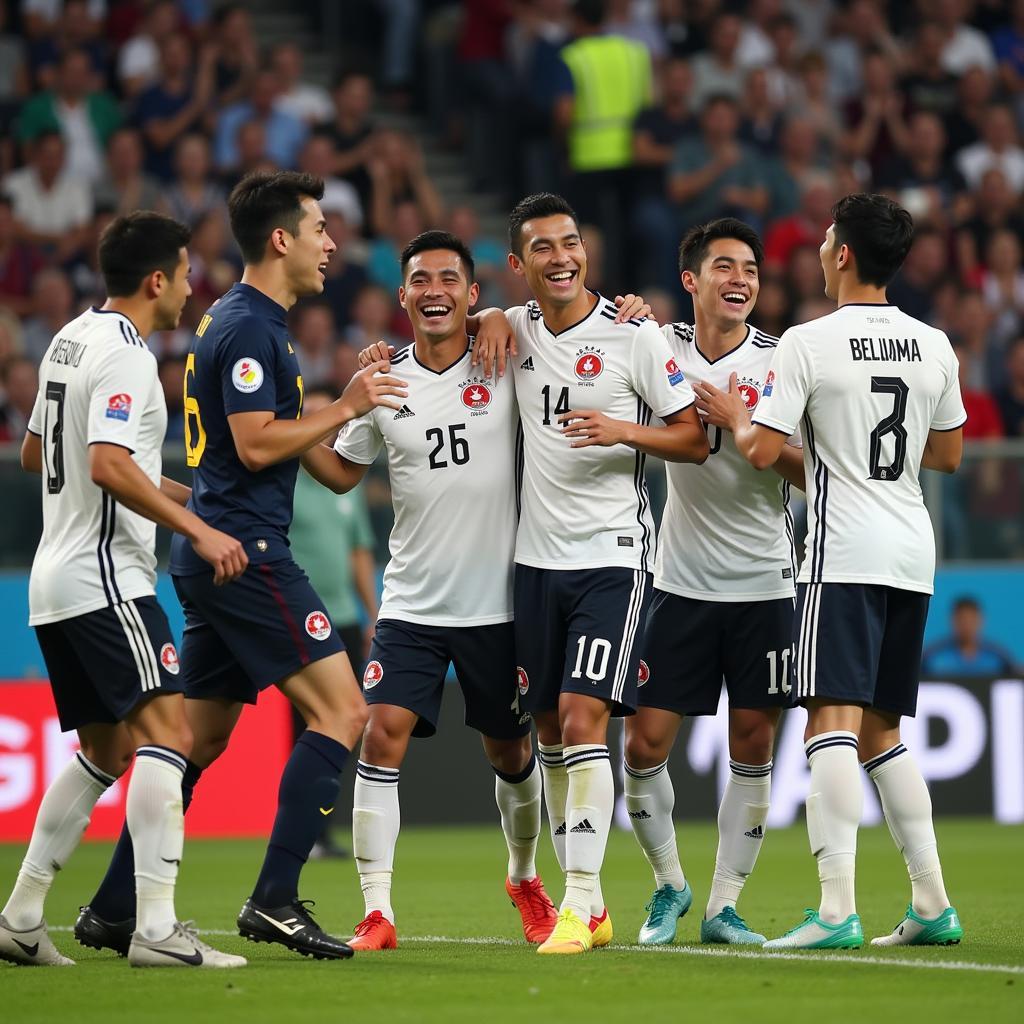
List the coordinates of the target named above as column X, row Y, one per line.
column 757, row 832
column 640, row 815
column 526, row 364
column 584, row 826
column 404, row 413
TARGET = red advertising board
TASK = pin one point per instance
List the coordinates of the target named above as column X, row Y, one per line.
column 236, row 797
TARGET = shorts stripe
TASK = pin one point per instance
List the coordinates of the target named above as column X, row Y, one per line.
column 808, row 641
column 149, row 676
column 636, row 603
column 293, row 628
column 148, row 654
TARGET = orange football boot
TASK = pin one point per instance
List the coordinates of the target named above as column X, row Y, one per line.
column 535, row 908
column 375, row 931
column 600, row 928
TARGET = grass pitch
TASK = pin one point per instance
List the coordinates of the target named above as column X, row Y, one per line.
column 461, row 955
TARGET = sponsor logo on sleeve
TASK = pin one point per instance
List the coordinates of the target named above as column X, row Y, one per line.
column 119, row 407
column 675, row 375
column 318, row 626
column 247, row 375
column 373, row 675
column 769, row 384
column 169, row 659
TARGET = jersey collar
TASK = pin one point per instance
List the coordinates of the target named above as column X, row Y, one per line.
column 439, row 373
column 725, row 355
column 598, row 305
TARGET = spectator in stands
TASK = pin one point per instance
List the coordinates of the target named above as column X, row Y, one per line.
column 773, row 316
column 125, row 186
column 354, row 132
column 171, row 369
column 19, row 263
column 382, row 263
column 344, row 277
column 974, row 94
column 983, row 419
column 84, row 270
column 921, row 178
column 964, row 46
column 966, row 318
column 251, row 142
column 237, row 54
column 176, row 104
column 78, row 26
column 1010, row 397
column 193, row 193
column 51, row 207
column 785, row 85
column 86, row 118
column 489, row 255
column 717, row 71
column 346, row 363
column 1002, row 284
column 804, row 227
column 20, row 382
column 306, row 102
column 213, row 271
column 319, row 157
column 714, row 175
column 762, row 119
column 927, row 84
column 996, row 208
column 1008, row 46
column 10, row 338
column 965, row 652
column 639, row 23
column 926, row 265
column 372, row 313
column 814, row 102
column 876, row 119
column 52, row 305
column 14, row 83
column 399, row 175
column 998, row 147
column 139, row 58
column 803, row 274
column 860, row 28
column 314, row 330
column 797, row 163
column 283, row 133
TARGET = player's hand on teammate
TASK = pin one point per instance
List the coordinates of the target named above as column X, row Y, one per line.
column 725, row 409
column 366, row 391
column 588, row 427
column 495, row 342
column 378, row 352
column 224, row 553
column 632, row 307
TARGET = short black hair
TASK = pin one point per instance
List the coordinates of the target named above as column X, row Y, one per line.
column 590, row 12
column 427, row 241
column 540, row 204
column 136, row 245
column 878, row 232
column 966, row 601
column 693, row 249
column 266, row 200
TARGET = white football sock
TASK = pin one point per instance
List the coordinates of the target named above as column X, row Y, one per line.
column 62, row 818
column 741, row 821
column 519, row 804
column 376, row 820
column 834, row 807
column 156, row 823
column 908, row 811
column 650, row 799
column 590, row 803
column 556, row 791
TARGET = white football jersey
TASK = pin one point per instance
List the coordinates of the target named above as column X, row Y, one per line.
column 98, row 383
column 726, row 532
column 866, row 384
column 452, row 452
column 586, row 508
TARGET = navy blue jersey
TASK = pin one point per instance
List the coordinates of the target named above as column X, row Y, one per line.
column 240, row 361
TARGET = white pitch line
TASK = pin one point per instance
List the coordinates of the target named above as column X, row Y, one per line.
column 846, row 957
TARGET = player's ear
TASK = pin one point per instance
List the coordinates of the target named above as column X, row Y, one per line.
column 516, row 264
column 401, row 296
column 154, row 284
column 279, row 240
column 689, row 279
column 474, row 294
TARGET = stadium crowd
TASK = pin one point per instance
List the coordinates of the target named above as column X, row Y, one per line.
column 650, row 115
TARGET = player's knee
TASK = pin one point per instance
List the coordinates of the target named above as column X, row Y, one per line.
column 114, row 761
column 382, row 741
column 206, row 749
column 510, row 756
column 751, row 742
column 644, row 751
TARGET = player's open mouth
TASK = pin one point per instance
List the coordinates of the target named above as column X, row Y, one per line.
column 562, row 278
column 435, row 312
column 735, row 298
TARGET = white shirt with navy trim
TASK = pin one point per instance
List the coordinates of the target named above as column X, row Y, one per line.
column 726, row 532
column 98, row 383
column 586, row 508
column 452, row 452
column 865, row 384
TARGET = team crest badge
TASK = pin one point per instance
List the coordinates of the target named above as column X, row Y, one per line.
column 675, row 375
column 522, row 680
column 644, row 674
column 119, row 407
column 750, row 391
column 169, row 659
column 769, row 384
column 247, row 375
column 318, row 626
column 476, row 396
column 373, row 675
column 589, row 365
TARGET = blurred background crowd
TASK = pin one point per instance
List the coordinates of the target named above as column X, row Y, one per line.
column 650, row 115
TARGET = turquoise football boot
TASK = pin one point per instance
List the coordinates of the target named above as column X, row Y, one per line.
column 814, row 933
column 914, row 930
column 663, row 912
column 730, row 929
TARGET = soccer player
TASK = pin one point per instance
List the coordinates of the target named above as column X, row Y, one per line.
column 723, row 598
column 587, row 389
column 243, row 438
column 452, row 454
column 95, row 436
column 876, row 395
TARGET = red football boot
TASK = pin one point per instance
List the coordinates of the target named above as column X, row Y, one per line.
column 375, row 931
column 535, row 908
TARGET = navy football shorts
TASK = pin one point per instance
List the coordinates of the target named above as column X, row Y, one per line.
column 580, row 631
column 408, row 664
column 102, row 664
column 690, row 646
column 253, row 632
column 859, row 643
